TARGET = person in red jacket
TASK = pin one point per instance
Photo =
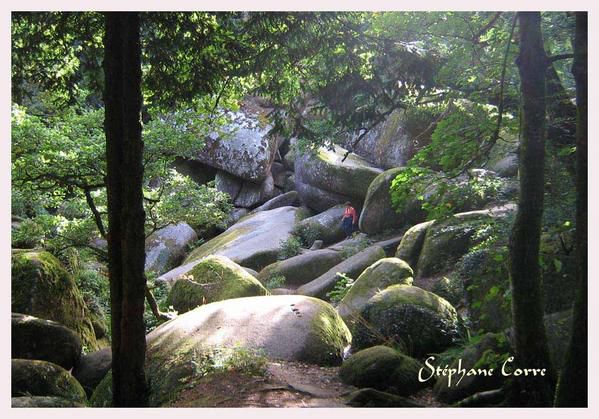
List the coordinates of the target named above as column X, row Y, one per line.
column 349, row 220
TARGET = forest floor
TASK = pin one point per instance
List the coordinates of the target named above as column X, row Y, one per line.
column 285, row 384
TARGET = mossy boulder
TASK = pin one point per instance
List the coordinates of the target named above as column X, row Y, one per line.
column 215, row 278
column 46, row 340
column 378, row 213
column 411, row 243
column 377, row 277
column 43, row 401
column 42, row 287
column 485, row 352
column 352, row 267
column 301, row 269
column 325, row 226
column 326, row 171
column 253, row 242
column 290, row 327
column 446, row 241
column 384, row 369
column 416, row 320
column 370, row 397
column 42, row 378
column 166, row 248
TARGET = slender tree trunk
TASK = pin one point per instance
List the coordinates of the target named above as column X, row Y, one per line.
column 527, row 306
column 124, row 148
column 573, row 383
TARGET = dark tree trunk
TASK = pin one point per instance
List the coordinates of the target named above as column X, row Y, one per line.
column 527, row 306
column 124, row 148
column 573, row 383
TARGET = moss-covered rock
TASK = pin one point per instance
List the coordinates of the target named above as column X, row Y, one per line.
column 46, row 340
column 446, row 241
column 352, row 267
column 486, row 352
column 416, row 320
column 378, row 276
column 43, row 288
column 378, row 213
column 411, row 243
column 215, row 278
column 42, row 378
column 102, row 395
column 370, row 397
column 196, row 343
column 383, row 368
column 301, row 269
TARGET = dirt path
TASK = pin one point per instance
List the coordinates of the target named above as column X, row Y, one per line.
column 285, row 384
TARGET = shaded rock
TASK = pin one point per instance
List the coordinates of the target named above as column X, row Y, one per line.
column 289, row 182
column 279, row 174
column 378, row 276
column 290, row 157
column 252, row 194
column 253, row 242
column 42, row 378
column 251, row 272
column 507, row 166
column 390, row 144
column 246, row 152
column 229, row 184
column 215, row 278
column 390, row 245
column 43, row 401
column 491, row 348
column 369, row 397
column 287, row 199
column 419, row 321
column 325, row 171
column 352, row 267
column 448, row 240
column 46, row 340
column 382, row 368
column 325, row 226
column 198, row 172
column 303, row 268
column 411, row 244
column 166, row 247
column 39, row 278
column 92, row 368
column 316, row 245
column 316, row 198
column 378, row 213
column 236, row 214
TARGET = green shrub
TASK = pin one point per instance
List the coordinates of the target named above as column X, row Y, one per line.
column 289, row 248
column 341, row 288
column 275, row 281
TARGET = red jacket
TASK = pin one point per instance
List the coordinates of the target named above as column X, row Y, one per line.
column 350, row 212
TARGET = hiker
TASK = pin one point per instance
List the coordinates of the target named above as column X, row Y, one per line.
column 349, row 220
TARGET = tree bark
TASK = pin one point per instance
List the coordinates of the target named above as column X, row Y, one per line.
column 527, row 306
column 573, row 383
column 126, row 257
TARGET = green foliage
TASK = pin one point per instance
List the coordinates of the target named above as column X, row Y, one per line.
column 275, row 281
column 289, row 248
column 341, row 288
column 307, row 234
column 451, row 288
